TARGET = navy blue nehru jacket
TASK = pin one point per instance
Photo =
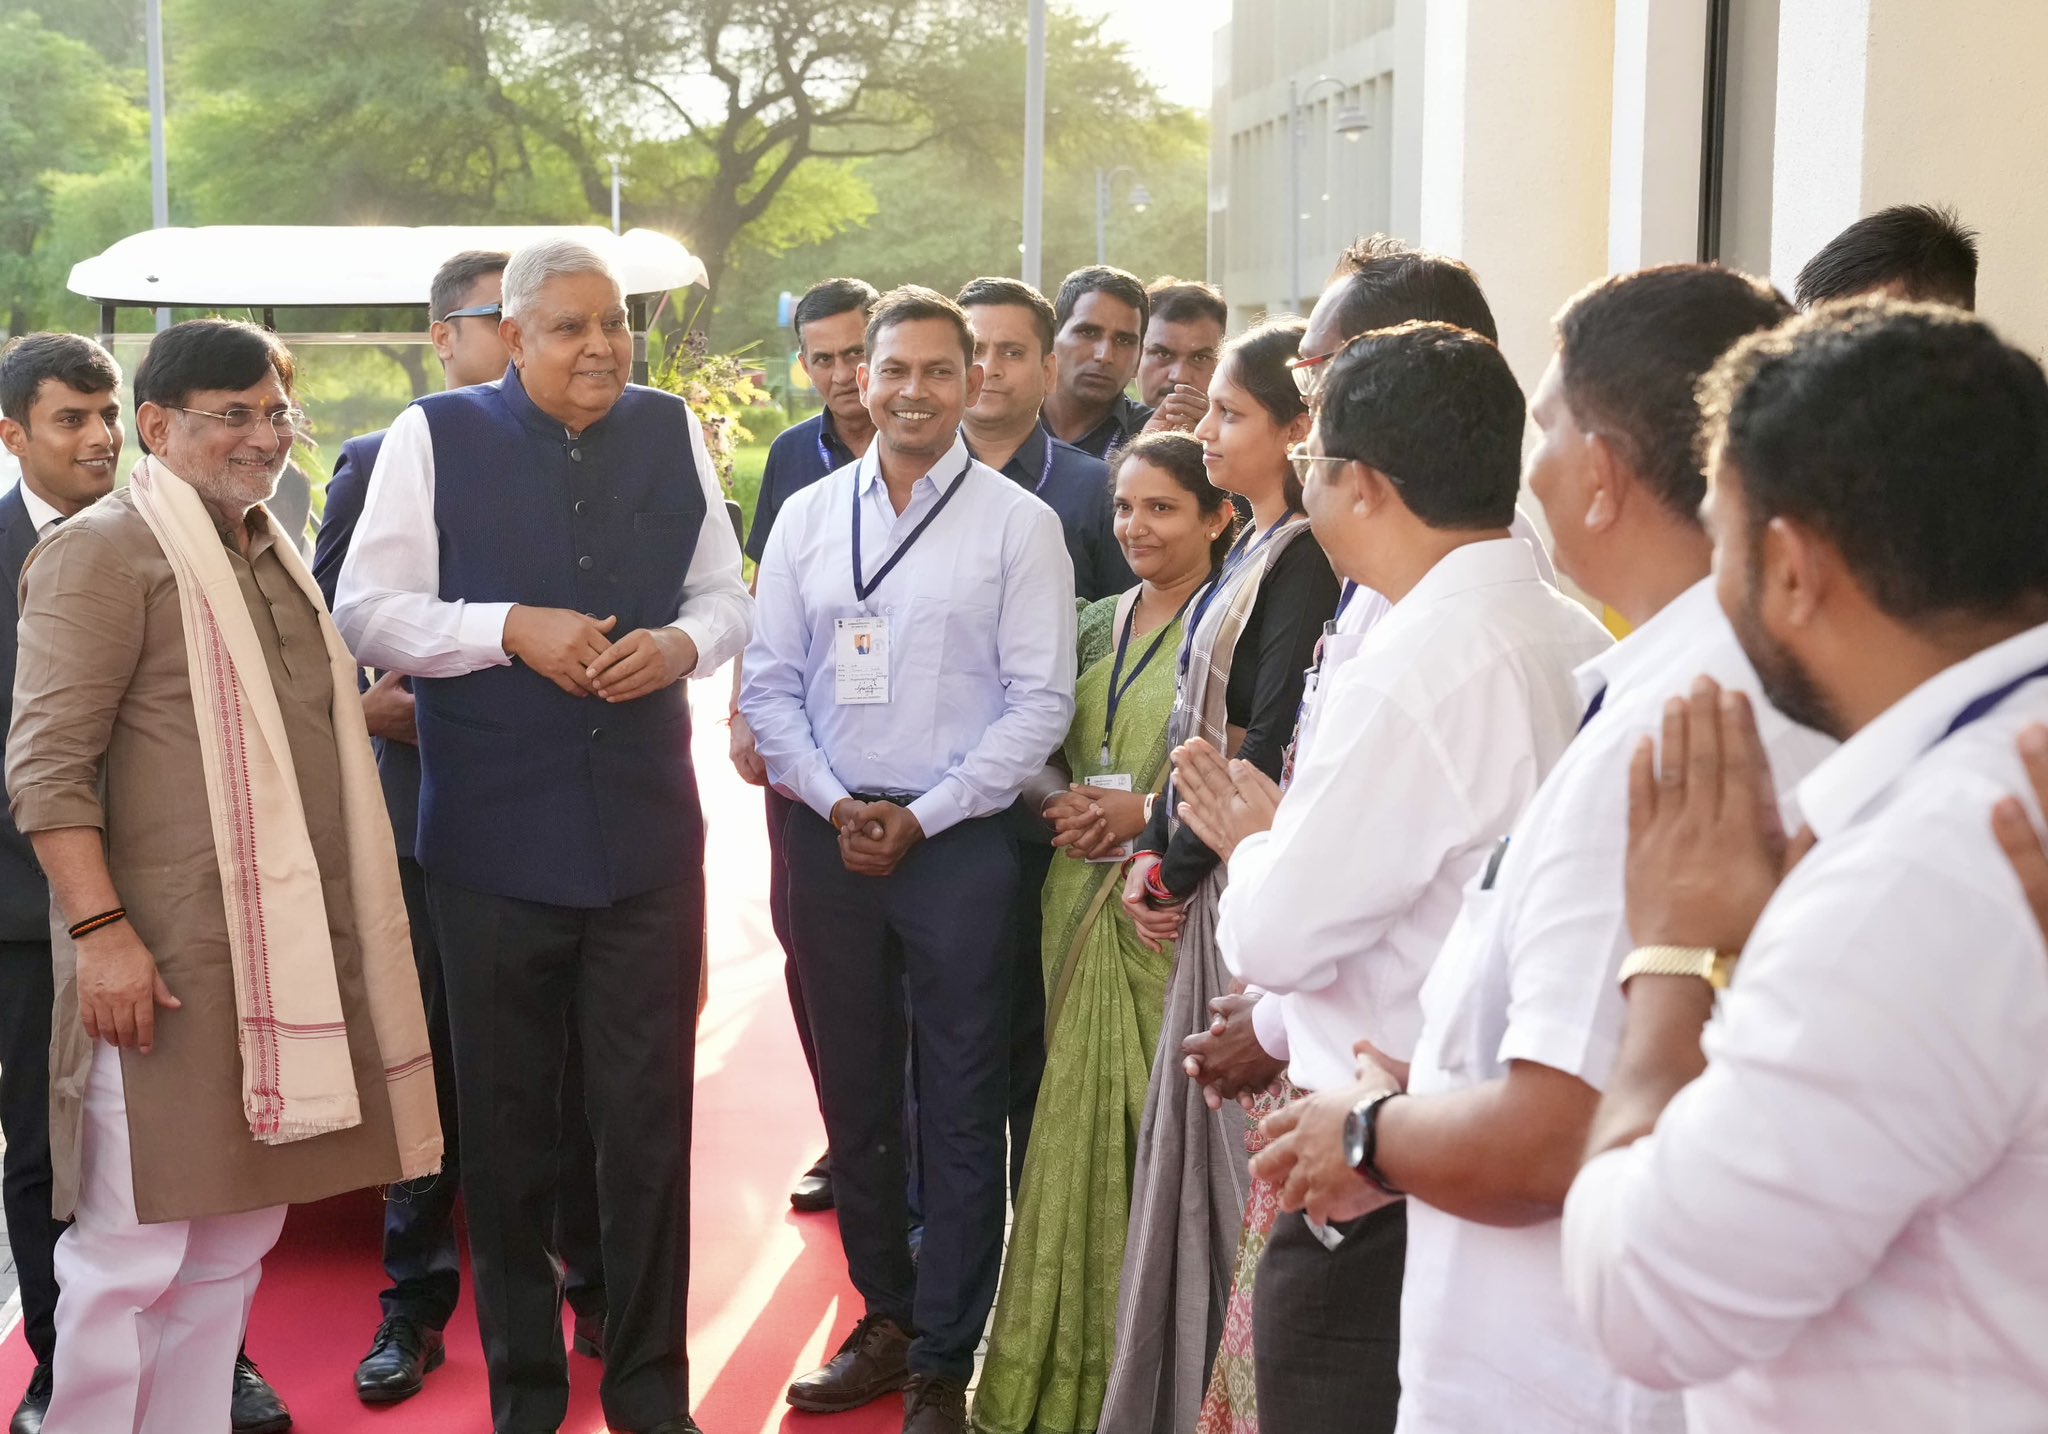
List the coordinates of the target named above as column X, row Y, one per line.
column 1075, row 486
column 398, row 763
column 530, row 792
column 800, row 455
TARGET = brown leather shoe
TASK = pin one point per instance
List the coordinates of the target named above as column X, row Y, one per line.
column 934, row 1405
column 872, row 1362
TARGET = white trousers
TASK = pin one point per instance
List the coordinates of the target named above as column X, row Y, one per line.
column 149, row 1317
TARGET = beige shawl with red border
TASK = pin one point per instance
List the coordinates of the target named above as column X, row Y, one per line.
column 297, row 1080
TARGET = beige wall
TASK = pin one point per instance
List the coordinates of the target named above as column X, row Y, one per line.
column 1956, row 112
column 1516, row 104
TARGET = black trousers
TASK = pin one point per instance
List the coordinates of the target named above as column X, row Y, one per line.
column 628, row 973
column 1326, row 1326
column 421, row 1257
column 26, row 996
column 779, row 808
column 940, row 925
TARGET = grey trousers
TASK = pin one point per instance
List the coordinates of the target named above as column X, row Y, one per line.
column 1326, row 1326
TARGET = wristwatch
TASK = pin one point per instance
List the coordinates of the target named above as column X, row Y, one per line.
column 1716, row 968
column 1362, row 1138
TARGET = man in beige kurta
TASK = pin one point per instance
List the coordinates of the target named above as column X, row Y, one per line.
column 175, row 1200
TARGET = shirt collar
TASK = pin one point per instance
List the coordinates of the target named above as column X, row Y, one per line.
column 529, row 413
column 1475, row 565
column 869, row 471
column 828, row 428
column 1678, row 623
column 1863, row 768
column 1027, row 464
column 40, row 514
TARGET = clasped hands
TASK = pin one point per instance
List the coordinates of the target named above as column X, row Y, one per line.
column 575, row 651
column 1223, row 802
column 1090, row 823
column 1305, row 1157
column 874, row 837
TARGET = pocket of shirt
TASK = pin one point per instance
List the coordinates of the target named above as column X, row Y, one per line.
column 1464, row 999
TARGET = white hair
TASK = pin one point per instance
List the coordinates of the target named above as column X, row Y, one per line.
column 533, row 267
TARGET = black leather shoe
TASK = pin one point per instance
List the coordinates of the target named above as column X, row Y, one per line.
column 35, row 1403
column 588, row 1340
column 683, row 1424
column 873, row 1362
column 402, row 1355
column 256, row 1408
column 814, row 1191
column 934, row 1405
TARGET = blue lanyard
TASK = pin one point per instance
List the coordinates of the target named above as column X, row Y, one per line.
column 1117, row 688
column 1045, row 470
column 1240, row 553
column 1983, row 706
column 862, row 590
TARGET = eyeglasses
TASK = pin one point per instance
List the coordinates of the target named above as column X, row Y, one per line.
column 476, row 311
column 1305, row 463
column 1307, row 372
column 239, row 419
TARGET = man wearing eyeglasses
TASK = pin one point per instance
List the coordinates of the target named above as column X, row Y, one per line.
column 547, row 556
column 189, row 761
column 422, row 1259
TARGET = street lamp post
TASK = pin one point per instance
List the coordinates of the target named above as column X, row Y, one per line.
column 1351, row 123
column 1034, row 145
column 1141, row 199
column 159, row 177
column 615, row 193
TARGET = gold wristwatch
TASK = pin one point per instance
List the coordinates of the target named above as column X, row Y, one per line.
column 1716, row 968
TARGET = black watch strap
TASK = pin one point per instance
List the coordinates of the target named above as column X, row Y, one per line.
column 1368, row 1160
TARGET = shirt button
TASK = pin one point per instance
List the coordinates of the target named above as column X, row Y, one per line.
column 581, row 508
column 596, row 734
column 575, row 455
column 586, row 562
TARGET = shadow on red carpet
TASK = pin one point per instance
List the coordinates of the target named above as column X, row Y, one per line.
column 769, row 1296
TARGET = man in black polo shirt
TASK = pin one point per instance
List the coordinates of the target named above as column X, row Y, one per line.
column 831, row 328
column 1099, row 323
column 830, row 320
column 1013, row 334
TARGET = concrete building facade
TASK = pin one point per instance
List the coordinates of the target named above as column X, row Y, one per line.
column 1550, row 143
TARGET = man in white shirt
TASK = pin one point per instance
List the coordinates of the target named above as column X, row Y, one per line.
column 1836, row 1224
column 547, row 557
column 1433, row 739
column 1521, row 1015
column 1380, row 282
column 912, row 667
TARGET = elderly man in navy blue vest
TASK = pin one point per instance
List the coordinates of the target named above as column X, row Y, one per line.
column 536, row 555
column 915, row 666
column 422, row 1258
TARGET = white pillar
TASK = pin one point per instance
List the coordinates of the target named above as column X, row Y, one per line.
column 1654, row 158
column 1516, row 114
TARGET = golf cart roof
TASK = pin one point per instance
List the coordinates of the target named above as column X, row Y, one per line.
column 343, row 266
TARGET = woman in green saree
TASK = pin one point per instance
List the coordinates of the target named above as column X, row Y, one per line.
column 1049, row 1350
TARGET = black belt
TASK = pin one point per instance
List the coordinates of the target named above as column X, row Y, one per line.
column 894, row 799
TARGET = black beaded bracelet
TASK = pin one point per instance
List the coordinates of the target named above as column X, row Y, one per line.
column 94, row 923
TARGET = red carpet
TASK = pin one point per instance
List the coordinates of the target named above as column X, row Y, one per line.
column 768, row 1295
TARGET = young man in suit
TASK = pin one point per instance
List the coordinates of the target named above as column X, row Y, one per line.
column 421, row 1258
column 60, row 416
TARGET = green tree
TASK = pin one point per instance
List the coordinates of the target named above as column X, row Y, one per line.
column 65, row 113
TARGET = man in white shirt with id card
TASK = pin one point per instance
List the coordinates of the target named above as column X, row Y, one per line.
column 1433, row 739
column 913, row 664
column 1815, row 1203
